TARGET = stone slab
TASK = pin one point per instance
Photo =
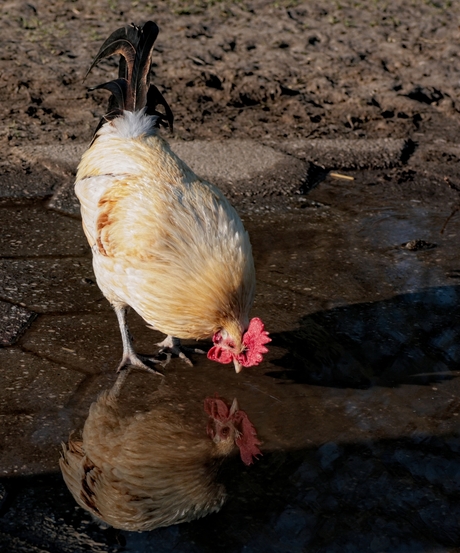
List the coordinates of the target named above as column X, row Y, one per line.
column 64, row 199
column 52, row 284
column 17, row 185
column 241, row 167
column 88, row 342
column 238, row 166
column 34, row 419
column 34, row 231
column 14, row 320
column 346, row 154
column 31, row 385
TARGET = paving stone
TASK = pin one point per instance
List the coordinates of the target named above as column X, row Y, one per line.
column 44, row 285
column 33, row 414
column 33, row 231
column 47, row 530
column 88, row 342
column 31, row 443
column 16, row 545
column 238, row 166
column 243, row 166
column 64, row 199
column 61, row 160
column 227, row 161
column 31, row 385
column 59, row 157
column 16, row 185
column 349, row 154
column 14, row 320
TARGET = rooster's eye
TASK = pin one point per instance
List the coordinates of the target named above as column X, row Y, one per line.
column 224, row 432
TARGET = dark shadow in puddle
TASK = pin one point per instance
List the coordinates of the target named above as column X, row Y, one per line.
column 411, row 338
column 381, row 495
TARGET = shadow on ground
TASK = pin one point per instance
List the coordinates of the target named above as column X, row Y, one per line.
column 410, row 338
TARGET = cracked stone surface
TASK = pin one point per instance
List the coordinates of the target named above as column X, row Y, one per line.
column 349, row 154
column 33, row 231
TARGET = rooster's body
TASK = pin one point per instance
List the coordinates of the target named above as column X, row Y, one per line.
column 164, row 241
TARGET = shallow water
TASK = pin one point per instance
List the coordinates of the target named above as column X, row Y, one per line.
column 357, row 403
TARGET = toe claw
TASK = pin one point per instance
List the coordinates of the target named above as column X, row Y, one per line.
column 167, row 360
column 185, row 358
column 153, row 371
column 137, row 361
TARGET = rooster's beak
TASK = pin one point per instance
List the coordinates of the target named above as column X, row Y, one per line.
column 238, row 365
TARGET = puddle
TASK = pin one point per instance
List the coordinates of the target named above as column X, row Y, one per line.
column 357, row 404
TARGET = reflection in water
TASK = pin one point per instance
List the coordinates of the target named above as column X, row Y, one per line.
column 155, row 468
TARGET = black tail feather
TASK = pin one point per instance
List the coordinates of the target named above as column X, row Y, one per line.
column 155, row 98
column 122, row 41
column 140, row 77
column 119, row 89
column 132, row 90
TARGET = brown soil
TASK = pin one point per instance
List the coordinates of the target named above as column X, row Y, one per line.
column 261, row 69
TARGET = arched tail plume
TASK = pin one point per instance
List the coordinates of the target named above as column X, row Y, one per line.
column 132, row 90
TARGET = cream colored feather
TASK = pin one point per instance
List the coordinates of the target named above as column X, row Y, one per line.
column 165, row 242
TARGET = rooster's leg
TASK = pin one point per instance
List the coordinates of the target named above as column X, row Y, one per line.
column 172, row 346
column 130, row 357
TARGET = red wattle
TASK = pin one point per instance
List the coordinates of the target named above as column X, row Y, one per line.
column 221, row 355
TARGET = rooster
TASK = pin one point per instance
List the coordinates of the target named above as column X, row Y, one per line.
column 156, row 468
column 164, row 242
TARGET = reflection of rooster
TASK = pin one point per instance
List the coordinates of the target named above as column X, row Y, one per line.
column 153, row 469
column 164, row 242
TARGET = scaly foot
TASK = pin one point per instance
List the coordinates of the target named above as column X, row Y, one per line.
column 132, row 359
column 171, row 346
column 123, row 371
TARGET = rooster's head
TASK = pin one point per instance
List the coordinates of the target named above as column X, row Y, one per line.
column 244, row 349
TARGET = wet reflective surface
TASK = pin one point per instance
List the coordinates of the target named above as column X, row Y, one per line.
column 357, row 403
column 144, row 470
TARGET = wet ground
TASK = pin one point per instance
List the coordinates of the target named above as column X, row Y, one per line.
column 357, row 403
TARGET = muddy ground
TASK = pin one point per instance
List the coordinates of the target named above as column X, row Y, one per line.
column 261, row 69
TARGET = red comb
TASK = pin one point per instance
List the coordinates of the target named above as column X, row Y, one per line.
column 247, row 441
column 254, row 339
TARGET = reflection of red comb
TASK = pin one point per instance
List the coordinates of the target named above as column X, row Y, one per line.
column 254, row 339
column 247, row 440
column 217, row 408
